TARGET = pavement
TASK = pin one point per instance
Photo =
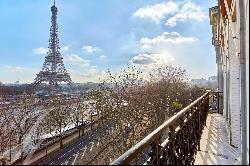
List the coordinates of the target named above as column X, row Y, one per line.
column 215, row 146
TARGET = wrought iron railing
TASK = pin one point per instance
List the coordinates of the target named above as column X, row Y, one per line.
column 175, row 142
column 217, row 101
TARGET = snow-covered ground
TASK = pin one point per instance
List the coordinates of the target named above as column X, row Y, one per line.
column 28, row 145
column 55, row 133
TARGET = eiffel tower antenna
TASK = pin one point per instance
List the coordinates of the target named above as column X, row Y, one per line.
column 53, row 70
column 54, row 2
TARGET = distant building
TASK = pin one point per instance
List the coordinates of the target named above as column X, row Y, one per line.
column 213, row 79
column 90, row 82
column 211, row 83
column 17, row 83
column 199, row 81
column 230, row 30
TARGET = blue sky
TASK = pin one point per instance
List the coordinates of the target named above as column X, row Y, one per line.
column 96, row 35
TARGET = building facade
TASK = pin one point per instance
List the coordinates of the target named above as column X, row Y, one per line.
column 230, row 31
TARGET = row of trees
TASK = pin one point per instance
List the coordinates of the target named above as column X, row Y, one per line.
column 27, row 119
column 127, row 100
column 16, row 89
column 142, row 105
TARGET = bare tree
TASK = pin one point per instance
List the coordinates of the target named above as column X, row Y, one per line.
column 23, row 118
column 59, row 117
column 137, row 106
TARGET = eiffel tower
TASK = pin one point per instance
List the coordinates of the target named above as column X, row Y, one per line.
column 53, row 70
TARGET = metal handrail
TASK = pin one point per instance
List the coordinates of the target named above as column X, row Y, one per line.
column 133, row 152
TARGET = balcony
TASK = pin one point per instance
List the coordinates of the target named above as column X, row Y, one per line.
column 195, row 135
column 215, row 148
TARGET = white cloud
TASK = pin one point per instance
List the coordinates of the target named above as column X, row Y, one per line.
column 152, row 59
column 166, row 37
column 91, row 49
column 90, row 74
column 65, row 48
column 157, row 12
column 13, row 69
column 189, row 11
column 73, row 58
column 148, row 61
column 103, row 57
column 41, row 51
column 172, row 12
column 146, row 46
column 10, row 74
column 171, row 48
column 76, row 59
column 143, row 59
column 81, row 70
column 168, row 48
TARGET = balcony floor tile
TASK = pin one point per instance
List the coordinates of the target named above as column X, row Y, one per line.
column 215, row 147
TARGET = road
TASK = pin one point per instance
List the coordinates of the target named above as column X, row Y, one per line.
column 87, row 143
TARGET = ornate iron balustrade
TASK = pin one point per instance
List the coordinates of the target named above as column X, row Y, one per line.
column 175, row 142
column 217, row 101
